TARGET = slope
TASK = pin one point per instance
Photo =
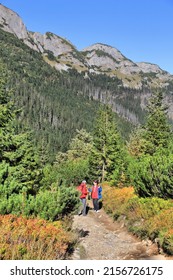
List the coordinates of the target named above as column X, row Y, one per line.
column 53, row 104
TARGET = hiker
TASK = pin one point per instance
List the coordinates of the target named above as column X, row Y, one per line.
column 95, row 195
column 82, row 188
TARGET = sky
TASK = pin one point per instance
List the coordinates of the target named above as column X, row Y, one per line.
column 142, row 30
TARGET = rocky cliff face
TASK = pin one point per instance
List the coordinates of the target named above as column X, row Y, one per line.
column 64, row 54
column 98, row 58
column 11, row 22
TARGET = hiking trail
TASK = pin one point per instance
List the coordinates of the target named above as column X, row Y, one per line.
column 101, row 238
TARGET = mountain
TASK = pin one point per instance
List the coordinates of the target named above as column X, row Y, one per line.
column 98, row 58
column 60, row 88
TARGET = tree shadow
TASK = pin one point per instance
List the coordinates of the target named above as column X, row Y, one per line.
column 83, row 233
column 87, row 209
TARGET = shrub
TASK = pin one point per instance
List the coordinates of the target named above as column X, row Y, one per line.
column 167, row 244
column 152, row 175
column 36, row 239
column 141, row 214
column 73, row 171
column 145, row 217
column 53, row 205
column 17, row 204
column 162, row 222
column 115, row 200
column 49, row 204
column 145, row 208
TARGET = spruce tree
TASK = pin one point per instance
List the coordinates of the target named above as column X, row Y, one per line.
column 20, row 171
column 107, row 153
column 152, row 168
column 157, row 130
column 72, row 166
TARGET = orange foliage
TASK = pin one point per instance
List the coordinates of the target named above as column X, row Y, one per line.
column 161, row 222
column 116, row 198
column 23, row 238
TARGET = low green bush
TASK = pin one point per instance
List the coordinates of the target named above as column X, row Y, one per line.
column 49, row 204
column 53, row 205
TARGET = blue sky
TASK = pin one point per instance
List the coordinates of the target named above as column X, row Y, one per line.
column 141, row 29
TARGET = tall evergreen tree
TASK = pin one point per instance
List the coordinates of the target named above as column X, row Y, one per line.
column 152, row 167
column 107, row 153
column 19, row 165
column 157, row 130
column 72, row 166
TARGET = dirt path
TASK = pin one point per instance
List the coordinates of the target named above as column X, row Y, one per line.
column 103, row 239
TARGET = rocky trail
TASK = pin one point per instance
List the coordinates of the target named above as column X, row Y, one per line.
column 103, row 239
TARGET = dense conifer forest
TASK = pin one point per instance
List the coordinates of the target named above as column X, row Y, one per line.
column 55, row 104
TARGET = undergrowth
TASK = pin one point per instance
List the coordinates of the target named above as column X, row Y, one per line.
column 36, row 239
column 146, row 217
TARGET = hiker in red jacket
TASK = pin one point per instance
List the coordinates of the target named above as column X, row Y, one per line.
column 82, row 188
column 94, row 196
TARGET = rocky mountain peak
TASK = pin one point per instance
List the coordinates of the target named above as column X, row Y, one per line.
column 104, row 50
column 98, row 58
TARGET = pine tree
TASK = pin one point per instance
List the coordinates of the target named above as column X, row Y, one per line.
column 107, row 153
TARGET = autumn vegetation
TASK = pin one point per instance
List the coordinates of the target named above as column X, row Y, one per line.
column 33, row 239
column 147, row 218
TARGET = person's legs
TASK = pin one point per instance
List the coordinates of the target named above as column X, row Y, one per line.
column 80, row 207
column 84, row 206
column 95, row 204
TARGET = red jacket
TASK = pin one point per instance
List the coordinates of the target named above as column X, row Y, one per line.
column 94, row 192
column 83, row 190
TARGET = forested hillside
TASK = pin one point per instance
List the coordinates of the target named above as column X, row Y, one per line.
column 55, row 104
column 50, row 104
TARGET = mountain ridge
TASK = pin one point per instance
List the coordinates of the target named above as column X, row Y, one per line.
column 99, row 58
